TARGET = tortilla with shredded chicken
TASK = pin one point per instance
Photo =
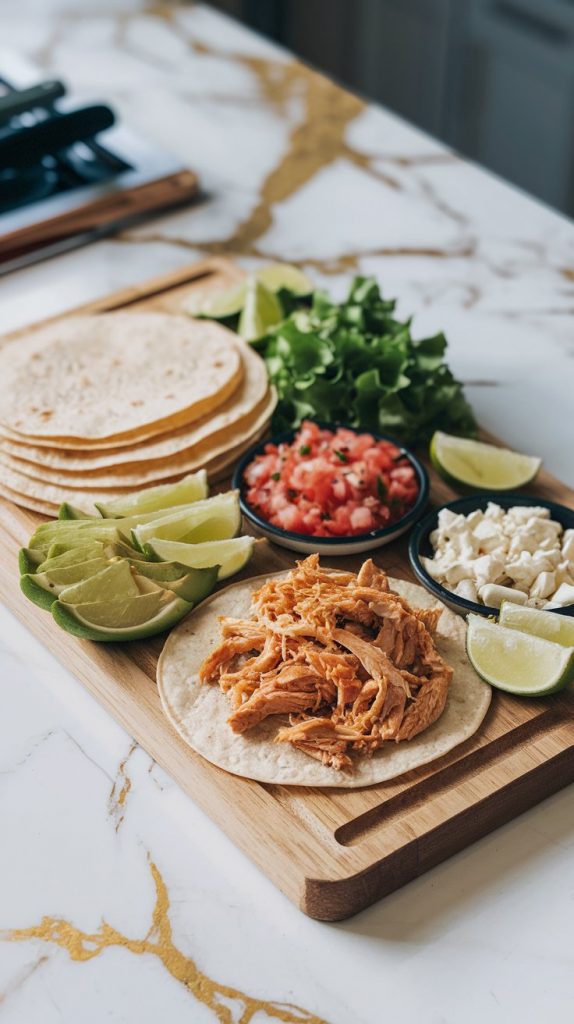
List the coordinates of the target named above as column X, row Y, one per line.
column 351, row 663
column 328, row 678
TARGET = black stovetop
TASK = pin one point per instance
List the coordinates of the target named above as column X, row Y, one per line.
column 33, row 164
column 69, row 173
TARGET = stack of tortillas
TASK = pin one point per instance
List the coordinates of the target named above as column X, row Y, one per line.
column 94, row 407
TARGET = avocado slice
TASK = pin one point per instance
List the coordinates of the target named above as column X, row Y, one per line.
column 147, row 614
column 72, row 556
column 113, row 583
column 28, row 560
column 193, row 586
column 67, row 511
column 43, row 588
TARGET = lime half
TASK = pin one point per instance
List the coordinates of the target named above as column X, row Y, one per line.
column 261, row 311
column 155, row 499
column 548, row 625
column 525, row 665
column 230, row 555
column 131, row 619
column 481, row 466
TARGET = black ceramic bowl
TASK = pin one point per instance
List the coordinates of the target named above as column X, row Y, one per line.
column 420, row 545
column 307, row 544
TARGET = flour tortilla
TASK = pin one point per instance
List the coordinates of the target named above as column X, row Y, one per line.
column 250, row 396
column 46, row 498
column 53, row 495
column 45, row 508
column 224, row 466
column 199, row 712
column 217, row 470
column 115, row 377
column 142, row 474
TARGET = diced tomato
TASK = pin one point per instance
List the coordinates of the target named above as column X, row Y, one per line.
column 362, row 520
column 331, row 483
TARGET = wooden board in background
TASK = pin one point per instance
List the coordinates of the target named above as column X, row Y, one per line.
column 117, row 207
column 332, row 852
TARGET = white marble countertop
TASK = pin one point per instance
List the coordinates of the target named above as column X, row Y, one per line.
column 119, row 899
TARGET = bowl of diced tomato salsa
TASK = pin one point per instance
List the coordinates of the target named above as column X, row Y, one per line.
column 331, row 489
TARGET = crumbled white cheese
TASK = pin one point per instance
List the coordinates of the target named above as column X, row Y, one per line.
column 467, row 589
column 493, row 554
column 568, row 545
column 544, row 585
column 493, row 595
column 564, row 594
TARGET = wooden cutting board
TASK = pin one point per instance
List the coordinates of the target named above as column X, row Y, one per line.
column 332, row 852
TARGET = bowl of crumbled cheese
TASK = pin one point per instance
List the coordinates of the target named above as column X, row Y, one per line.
column 479, row 551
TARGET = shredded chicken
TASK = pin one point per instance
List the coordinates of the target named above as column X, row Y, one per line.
column 351, row 663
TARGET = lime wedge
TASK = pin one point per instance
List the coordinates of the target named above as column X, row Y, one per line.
column 131, row 619
column 548, row 625
column 44, row 587
column 111, row 584
column 481, row 466
column 516, row 662
column 156, row 499
column 126, row 526
column 230, row 555
column 215, row 518
column 220, row 306
column 283, row 276
column 275, row 277
column 261, row 311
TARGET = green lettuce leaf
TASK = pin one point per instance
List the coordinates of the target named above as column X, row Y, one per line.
column 354, row 362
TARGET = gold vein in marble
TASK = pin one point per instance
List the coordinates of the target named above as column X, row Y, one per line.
column 342, row 263
column 82, row 946
column 315, row 143
column 20, row 979
column 119, row 791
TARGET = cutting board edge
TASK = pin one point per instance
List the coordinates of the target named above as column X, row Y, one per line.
column 332, row 900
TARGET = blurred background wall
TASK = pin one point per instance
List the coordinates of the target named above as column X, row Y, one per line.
column 493, row 78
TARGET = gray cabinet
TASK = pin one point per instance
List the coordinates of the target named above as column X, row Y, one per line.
column 402, row 56
column 511, row 102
